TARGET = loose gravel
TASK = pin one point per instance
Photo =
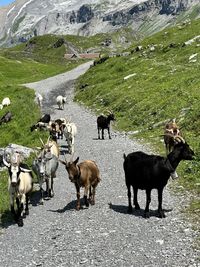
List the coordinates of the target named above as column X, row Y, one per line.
column 56, row 235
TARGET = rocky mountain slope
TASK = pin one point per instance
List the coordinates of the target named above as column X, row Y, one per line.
column 26, row 18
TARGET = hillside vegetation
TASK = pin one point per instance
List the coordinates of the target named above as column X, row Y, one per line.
column 51, row 48
column 151, row 86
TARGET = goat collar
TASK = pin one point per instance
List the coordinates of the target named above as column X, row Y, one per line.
column 169, row 166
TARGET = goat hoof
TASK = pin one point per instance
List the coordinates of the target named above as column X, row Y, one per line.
column 162, row 215
column 26, row 212
column 137, row 207
column 146, row 215
column 41, row 202
column 20, row 223
column 130, row 210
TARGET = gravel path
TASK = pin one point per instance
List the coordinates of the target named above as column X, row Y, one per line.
column 56, row 235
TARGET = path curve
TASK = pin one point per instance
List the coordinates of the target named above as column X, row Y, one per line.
column 56, row 235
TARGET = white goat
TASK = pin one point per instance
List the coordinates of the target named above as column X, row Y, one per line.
column 70, row 132
column 6, row 101
column 39, row 99
column 61, row 100
column 45, row 166
column 19, row 186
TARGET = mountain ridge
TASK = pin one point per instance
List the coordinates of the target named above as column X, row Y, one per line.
column 24, row 19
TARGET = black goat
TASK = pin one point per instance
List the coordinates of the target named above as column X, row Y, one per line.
column 45, row 118
column 41, row 123
column 6, row 117
column 103, row 122
column 147, row 172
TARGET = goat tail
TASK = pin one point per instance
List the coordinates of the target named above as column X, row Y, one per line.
column 124, row 155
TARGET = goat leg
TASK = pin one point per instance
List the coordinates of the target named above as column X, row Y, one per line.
column 19, row 215
column 148, row 201
column 12, row 209
column 98, row 133
column 135, row 201
column 92, row 195
column 130, row 209
column 42, row 196
column 109, row 133
column 47, row 187
column 85, row 196
column 78, row 203
column 160, row 210
column 26, row 207
column 102, row 133
column 51, row 189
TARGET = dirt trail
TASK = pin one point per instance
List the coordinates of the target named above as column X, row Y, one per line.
column 56, row 235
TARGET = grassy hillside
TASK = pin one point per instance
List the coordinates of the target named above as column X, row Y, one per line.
column 51, row 48
column 149, row 87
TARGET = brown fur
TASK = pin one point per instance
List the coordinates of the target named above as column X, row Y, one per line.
column 171, row 132
column 84, row 174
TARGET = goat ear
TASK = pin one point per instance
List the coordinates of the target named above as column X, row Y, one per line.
column 63, row 162
column 76, row 161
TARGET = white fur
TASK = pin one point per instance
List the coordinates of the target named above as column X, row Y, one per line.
column 39, row 99
column 61, row 100
column 6, row 101
column 70, row 132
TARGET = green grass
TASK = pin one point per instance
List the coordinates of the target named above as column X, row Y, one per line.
column 164, row 85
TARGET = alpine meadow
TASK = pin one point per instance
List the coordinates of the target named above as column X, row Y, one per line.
column 152, row 81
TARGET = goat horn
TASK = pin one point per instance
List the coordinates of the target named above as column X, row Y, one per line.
column 5, row 162
column 48, row 140
column 110, row 111
column 41, row 141
column 179, row 138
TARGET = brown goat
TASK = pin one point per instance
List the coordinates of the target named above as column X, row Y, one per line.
column 171, row 134
column 84, row 174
